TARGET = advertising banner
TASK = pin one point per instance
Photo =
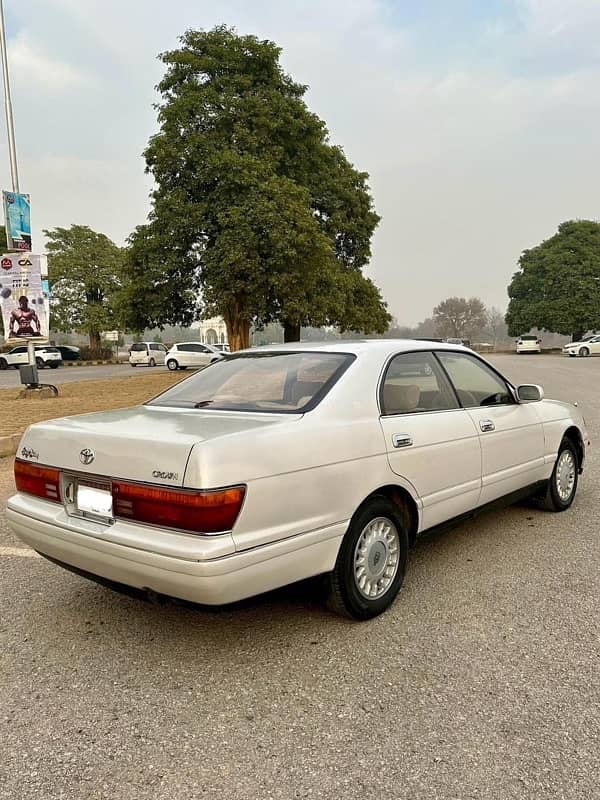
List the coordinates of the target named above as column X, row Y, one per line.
column 24, row 304
column 17, row 216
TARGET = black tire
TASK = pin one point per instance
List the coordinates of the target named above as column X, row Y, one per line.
column 345, row 594
column 584, row 352
column 3, row 363
column 152, row 363
column 554, row 499
column 133, row 365
column 40, row 363
column 172, row 364
column 54, row 365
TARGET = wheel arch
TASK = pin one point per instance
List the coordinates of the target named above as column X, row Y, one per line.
column 574, row 435
column 405, row 503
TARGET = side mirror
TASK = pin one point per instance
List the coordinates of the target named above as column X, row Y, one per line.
column 530, row 393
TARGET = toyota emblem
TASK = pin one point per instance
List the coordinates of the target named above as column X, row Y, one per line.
column 86, row 456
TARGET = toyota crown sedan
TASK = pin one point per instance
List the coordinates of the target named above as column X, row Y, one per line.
column 275, row 465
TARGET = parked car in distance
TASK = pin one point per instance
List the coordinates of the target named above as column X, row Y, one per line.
column 149, row 354
column 588, row 346
column 454, row 340
column 529, row 343
column 277, row 464
column 223, row 347
column 192, row 354
column 45, row 356
column 68, row 352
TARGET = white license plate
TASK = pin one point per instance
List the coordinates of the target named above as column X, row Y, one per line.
column 94, row 501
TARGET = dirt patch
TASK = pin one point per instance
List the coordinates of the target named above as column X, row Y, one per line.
column 81, row 398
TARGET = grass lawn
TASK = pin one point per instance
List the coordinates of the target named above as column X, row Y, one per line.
column 81, row 398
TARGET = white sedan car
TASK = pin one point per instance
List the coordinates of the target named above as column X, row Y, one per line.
column 277, row 464
column 590, row 346
column 192, row 354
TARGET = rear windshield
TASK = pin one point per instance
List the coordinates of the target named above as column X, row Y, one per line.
column 138, row 348
column 288, row 383
column 529, row 338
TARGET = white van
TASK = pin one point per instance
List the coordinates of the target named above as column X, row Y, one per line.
column 148, row 354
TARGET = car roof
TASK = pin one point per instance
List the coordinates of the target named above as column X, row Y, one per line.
column 358, row 347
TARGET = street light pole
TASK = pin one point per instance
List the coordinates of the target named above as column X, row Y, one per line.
column 12, row 149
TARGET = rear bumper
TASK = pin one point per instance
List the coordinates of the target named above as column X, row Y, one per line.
column 212, row 581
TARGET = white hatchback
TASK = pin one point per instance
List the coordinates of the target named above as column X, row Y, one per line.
column 192, row 354
column 149, row 354
column 529, row 344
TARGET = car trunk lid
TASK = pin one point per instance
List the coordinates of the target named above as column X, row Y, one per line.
column 145, row 443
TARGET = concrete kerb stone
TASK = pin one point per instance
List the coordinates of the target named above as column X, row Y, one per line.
column 91, row 363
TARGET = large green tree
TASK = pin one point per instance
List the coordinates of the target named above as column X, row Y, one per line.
column 557, row 285
column 254, row 210
column 84, row 268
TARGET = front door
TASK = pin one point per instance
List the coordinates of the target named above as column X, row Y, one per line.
column 511, row 433
column 430, row 440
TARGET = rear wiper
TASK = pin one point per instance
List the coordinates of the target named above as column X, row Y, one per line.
column 202, row 403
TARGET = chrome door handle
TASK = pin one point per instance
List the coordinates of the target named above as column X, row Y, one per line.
column 402, row 440
column 487, row 425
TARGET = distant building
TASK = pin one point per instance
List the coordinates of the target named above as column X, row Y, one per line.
column 212, row 331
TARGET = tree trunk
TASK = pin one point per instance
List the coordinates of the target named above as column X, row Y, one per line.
column 238, row 330
column 577, row 336
column 95, row 342
column 291, row 332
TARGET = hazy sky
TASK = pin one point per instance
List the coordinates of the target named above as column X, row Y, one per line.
column 478, row 120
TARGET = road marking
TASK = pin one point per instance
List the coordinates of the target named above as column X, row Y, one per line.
column 19, row 552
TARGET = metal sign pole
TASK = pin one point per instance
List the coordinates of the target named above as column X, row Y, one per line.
column 12, row 149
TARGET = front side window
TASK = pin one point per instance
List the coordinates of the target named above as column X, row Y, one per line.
column 414, row 382
column 289, row 383
column 476, row 384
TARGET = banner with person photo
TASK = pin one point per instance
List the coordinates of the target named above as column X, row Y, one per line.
column 17, row 217
column 24, row 303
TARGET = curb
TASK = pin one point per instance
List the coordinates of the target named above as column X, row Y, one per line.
column 90, row 363
column 9, row 444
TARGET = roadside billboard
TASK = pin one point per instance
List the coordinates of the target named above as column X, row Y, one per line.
column 22, row 299
column 17, row 217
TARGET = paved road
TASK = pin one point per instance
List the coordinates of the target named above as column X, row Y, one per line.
column 482, row 681
column 10, row 377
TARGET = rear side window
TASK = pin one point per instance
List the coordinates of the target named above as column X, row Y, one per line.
column 289, row 383
column 138, row 347
column 414, row 382
column 476, row 384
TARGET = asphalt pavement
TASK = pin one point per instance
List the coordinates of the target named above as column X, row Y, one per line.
column 11, row 377
column 482, row 681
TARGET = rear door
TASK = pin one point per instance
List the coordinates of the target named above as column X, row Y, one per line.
column 511, row 433
column 430, row 440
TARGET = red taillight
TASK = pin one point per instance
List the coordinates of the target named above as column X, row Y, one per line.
column 40, row 481
column 198, row 511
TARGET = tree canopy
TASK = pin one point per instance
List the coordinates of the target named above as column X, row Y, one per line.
column 557, row 285
column 84, row 269
column 460, row 318
column 254, row 210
